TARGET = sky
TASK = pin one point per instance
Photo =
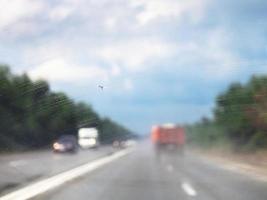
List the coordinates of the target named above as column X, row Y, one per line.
column 160, row 61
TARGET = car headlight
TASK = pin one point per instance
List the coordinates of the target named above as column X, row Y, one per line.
column 57, row 146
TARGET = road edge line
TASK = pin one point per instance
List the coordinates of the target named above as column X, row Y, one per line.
column 44, row 185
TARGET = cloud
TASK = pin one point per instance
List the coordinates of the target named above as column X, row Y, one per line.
column 115, row 70
column 209, row 57
column 153, row 9
column 160, row 54
column 128, row 85
column 13, row 11
column 60, row 70
column 134, row 54
column 215, row 55
column 110, row 23
column 60, row 13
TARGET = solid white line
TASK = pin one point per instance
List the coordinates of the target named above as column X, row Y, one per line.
column 188, row 189
column 57, row 180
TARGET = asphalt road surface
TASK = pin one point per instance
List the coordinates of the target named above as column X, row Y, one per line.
column 17, row 170
column 143, row 175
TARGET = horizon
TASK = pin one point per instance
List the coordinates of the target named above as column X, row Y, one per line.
column 164, row 65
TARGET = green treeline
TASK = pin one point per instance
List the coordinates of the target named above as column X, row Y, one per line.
column 32, row 116
column 240, row 118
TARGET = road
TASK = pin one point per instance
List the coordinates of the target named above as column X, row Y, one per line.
column 20, row 169
column 143, row 175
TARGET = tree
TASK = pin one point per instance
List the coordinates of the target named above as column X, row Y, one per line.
column 242, row 110
column 32, row 116
column 110, row 131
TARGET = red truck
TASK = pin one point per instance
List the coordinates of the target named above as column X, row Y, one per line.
column 168, row 137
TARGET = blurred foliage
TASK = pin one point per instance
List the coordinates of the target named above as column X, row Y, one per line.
column 205, row 133
column 32, row 116
column 112, row 131
column 240, row 118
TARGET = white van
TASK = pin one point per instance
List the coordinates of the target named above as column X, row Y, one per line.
column 88, row 138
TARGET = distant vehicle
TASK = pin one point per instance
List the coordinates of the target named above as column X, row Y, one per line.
column 66, row 143
column 116, row 144
column 129, row 143
column 124, row 143
column 88, row 138
column 168, row 137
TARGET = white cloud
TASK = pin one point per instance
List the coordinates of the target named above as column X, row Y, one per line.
column 210, row 57
column 12, row 11
column 217, row 56
column 128, row 85
column 133, row 54
column 23, row 28
column 115, row 70
column 60, row 70
column 169, row 8
column 110, row 23
column 47, row 50
column 61, row 12
column 128, row 46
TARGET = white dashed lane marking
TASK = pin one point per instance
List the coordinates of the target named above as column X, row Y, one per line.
column 189, row 190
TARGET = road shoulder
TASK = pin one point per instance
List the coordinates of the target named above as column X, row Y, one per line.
column 250, row 165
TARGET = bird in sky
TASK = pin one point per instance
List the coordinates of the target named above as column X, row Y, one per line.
column 101, row 87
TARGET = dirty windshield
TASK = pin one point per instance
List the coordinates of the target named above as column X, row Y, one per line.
column 133, row 99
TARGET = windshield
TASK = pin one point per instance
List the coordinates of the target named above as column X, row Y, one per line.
column 66, row 138
column 133, row 99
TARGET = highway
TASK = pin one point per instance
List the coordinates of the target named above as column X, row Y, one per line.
column 19, row 169
column 141, row 174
